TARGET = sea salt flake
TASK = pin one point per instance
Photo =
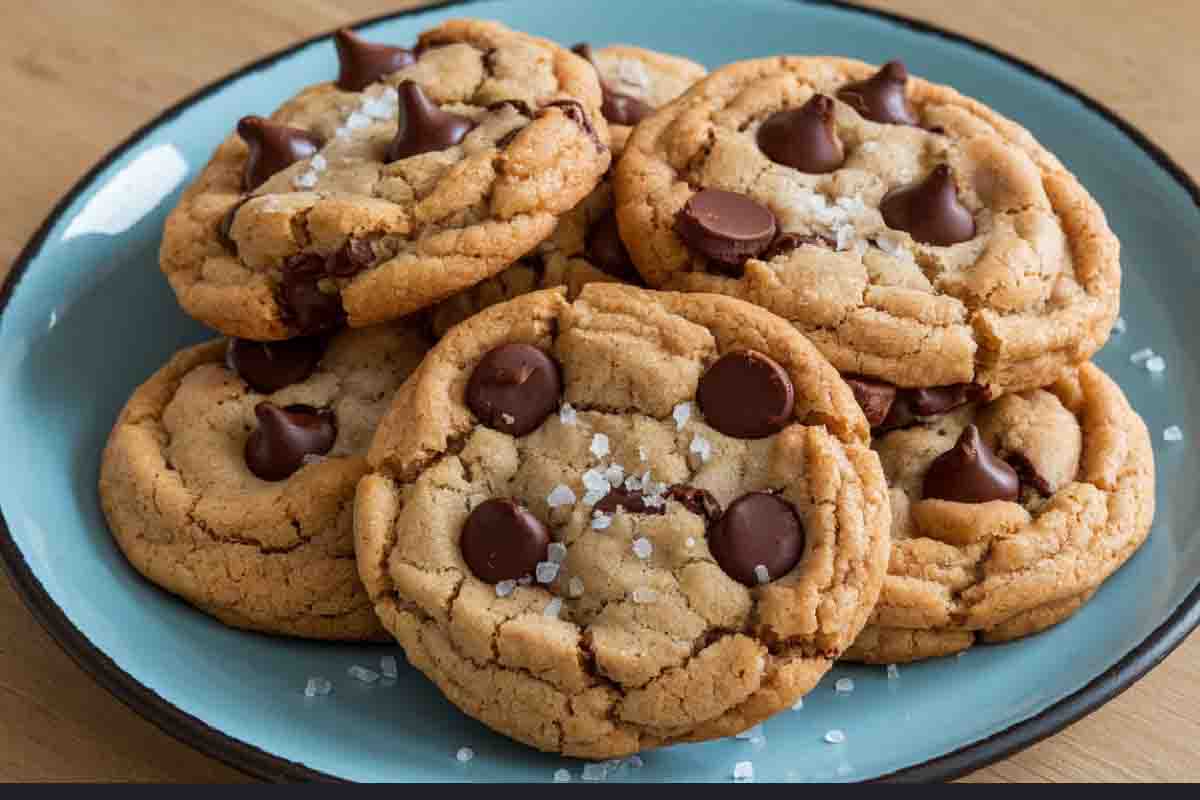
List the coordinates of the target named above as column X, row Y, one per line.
column 560, row 495
column 681, row 413
column 743, row 772
column 567, row 415
column 594, row 480
column 1119, row 326
column 844, row 685
column 556, row 552
column 642, row 454
column 761, row 575
column 1142, row 355
column 546, row 571
column 599, row 446
column 750, row 733
column 356, row 120
column 642, row 595
column 701, row 447
column 505, row 588
column 553, row 607
column 601, row 521
column 317, row 687
column 575, row 587
column 835, row 736
column 595, row 772
column 1156, row 364
column 562, row 776
column 305, row 180
column 381, row 107
column 464, row 754
column 594, row 496
column 360, row 673
column 615, row 474
column 508, row 419
column 893, row 672
column 642, row 548
column 387, row 666
column 1173, row 434
column 318, row 163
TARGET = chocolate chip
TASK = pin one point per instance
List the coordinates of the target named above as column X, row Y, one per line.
column 803, row 138
column 785, row 243
column 726, row 227
column 350, row 259
column 698, row 501
column 514, row 388
column 269, row 366
column 620, row 108
column 928, row 402
column 225, row 226
column 746, row 394
column 633, row 501
column 1028, row 474
column 881, row 97
column 874, row 397
column 285, row 436
column 970, row 472
column 361, row 63
column 929, row 210
column 424, row 128
column 273, row 147
column 937, row 130
column 584, row 50
column 758, row 529
column 304, row 297
column 575, row 112
column 503, row 541
column 607, row 252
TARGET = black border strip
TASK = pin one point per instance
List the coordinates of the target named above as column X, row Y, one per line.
column 192, row 731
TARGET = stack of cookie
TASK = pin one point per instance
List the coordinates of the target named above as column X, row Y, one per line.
column 851, row 417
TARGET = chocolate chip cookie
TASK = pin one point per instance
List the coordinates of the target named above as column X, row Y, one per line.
column 1006, row 514
column 229, row 476
column 415, row 175
column 913, row 234
column 586, row 246
column 633, row 519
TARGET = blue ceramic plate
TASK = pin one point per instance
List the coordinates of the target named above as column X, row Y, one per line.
column 87, row 316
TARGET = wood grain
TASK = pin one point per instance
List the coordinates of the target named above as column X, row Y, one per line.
column 80, row 75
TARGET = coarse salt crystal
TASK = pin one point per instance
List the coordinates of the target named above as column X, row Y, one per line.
column 642, row 547
column 799, row 704
column 383, row 107
column 387, row 665
column 595, row 772
column 464, row 754
column 546, row 571
column 750, row 733
column 560, row 495
column 1142, row 355
column 356, row 120
column 600, row 521
column 505, row 588
column 318, row 162
column 761, row 575
column 1119, row 326
column 599, row 446
column 305, row 180
column 701, row 447
column 556, row 552
column 594, row 480
column 1173, row 434
column 553, row 607
column 615, row 475
column 893, row 672
column 362, row 674
column 317, row 687
column 567, row 415
column 643, row 595
column 575, row 586
column 562, row 776
column 835, row 737
column 681, row 413
column 743, row 771
column 1156, row 364
column 844, row 685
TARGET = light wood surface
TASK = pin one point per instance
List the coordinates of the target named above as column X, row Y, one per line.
column 80, row 75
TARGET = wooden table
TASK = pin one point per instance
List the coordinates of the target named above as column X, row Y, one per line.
column 81, row 74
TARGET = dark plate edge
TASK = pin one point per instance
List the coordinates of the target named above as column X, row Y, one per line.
column 257, row 762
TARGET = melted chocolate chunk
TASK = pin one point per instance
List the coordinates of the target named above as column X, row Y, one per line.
column 874, row 397
column 267, row 367
column 350, row 259
column 308, row 300
column 698, row 501
column 284, row 436
column 785, row 243
column 607, row 252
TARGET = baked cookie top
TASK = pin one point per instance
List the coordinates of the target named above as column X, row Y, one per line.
column 633, row 519
column 586, row 246
column 912, row 233
column 180, row 478
column 1008, row 514
column 334, row 211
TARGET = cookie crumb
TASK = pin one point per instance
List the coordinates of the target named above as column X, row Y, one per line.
column 387, row 666
column 1142, row 355
column 317, row 687
column 562, row 776
column 835, row 736
column 642, row 547
column 599, row 446
column 1156, row 364
column 681, row 413
column 1173, row 434
column 568, row 416
column 505, row 588
column 893, row 672
column 761, row 574
column 556, row 552
column 360, row 673
column 464, row 754
column 743, row 772
column 701, row 447
column 553, row 608
column 575, row 587
column 560, row 495
column 1119, row 326
column 546, row 571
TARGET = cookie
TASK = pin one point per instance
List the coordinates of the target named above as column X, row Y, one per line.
column 229, row 476
column 1007, row 515
column 586, row 246
column 634, row 519
column 915, row 235
column 415, row 175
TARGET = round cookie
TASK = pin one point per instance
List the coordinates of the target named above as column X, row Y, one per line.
column 615, row 573
column 918, row 237
column 1007, row 515
column 586, row 246
column 333, row 210
column 180, row 488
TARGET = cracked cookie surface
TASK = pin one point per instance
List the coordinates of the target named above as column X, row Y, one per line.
column 1032, row 290
column 998, row 570
column 417, row 229
column 630, row 634
column 585, row 247
column 271, row 556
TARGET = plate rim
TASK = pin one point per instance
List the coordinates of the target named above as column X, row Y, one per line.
column 257, row 762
